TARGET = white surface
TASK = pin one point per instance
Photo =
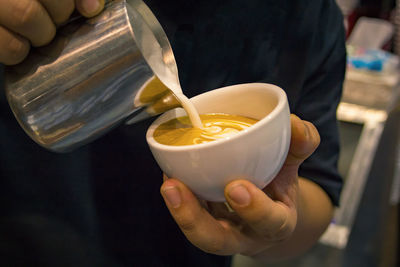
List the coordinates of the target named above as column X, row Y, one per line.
column 371, row 33
column 256, row 154
column 335, row 236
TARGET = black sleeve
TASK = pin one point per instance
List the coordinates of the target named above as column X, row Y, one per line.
column 320, row 95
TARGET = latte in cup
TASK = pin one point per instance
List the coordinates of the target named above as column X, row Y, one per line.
column 180, row 131
column 255, row 153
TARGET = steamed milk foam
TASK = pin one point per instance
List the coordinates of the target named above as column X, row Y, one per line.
column 190, row 110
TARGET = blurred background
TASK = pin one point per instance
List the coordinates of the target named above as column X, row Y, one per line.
column 365, row 228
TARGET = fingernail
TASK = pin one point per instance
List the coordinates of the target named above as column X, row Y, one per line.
column 172, row 196
column 239, row 195
column 91, row 6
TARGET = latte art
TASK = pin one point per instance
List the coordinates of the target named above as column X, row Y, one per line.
column 179, row 131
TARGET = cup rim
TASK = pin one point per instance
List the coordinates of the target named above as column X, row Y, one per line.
column 282, row 101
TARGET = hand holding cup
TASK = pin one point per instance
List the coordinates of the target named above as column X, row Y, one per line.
column 268, row 223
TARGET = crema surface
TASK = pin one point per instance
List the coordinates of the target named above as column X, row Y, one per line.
column 180, row 132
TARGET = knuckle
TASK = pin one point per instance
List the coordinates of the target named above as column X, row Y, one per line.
column 24, row 13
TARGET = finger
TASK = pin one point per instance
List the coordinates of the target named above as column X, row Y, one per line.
column 203, row 203
column 304, row 140
column 89, row 8
column 29, row 19
column 270, row 219
column 200, row 228
column 59, row 10
column 13, row 48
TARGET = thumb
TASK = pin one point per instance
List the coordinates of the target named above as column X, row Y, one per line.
column 270, row 219
column 89, row 8
column 304, row 141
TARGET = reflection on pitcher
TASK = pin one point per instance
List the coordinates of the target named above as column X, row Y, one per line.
column 156, row 96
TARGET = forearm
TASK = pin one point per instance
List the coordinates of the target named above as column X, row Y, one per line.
column 315, row 212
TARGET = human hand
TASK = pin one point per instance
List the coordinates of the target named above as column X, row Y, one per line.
column 261, row 218
column 33, row 22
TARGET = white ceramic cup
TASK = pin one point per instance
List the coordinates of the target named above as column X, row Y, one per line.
column 255, row 154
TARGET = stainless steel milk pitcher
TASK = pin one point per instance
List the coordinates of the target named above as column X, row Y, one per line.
column 95, row 74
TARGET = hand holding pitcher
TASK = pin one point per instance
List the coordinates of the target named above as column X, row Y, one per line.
column 26, row 23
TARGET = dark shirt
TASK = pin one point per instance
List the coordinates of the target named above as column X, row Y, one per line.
column 100, row 205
